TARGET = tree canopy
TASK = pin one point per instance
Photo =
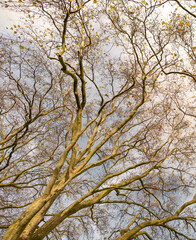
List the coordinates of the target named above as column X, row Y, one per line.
column 97, row 120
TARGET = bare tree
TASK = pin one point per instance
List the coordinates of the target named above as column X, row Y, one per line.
column 95, row 139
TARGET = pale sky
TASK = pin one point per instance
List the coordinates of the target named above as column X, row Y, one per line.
column 8, row 18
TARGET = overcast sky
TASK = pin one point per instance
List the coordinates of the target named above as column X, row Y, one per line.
column 8, row 18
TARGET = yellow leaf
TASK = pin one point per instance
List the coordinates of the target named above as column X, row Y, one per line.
column 34, row 4
column 19, row 1
column 21, row 47
column 94, row 1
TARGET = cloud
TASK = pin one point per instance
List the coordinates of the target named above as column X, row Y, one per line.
column 8, row 18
